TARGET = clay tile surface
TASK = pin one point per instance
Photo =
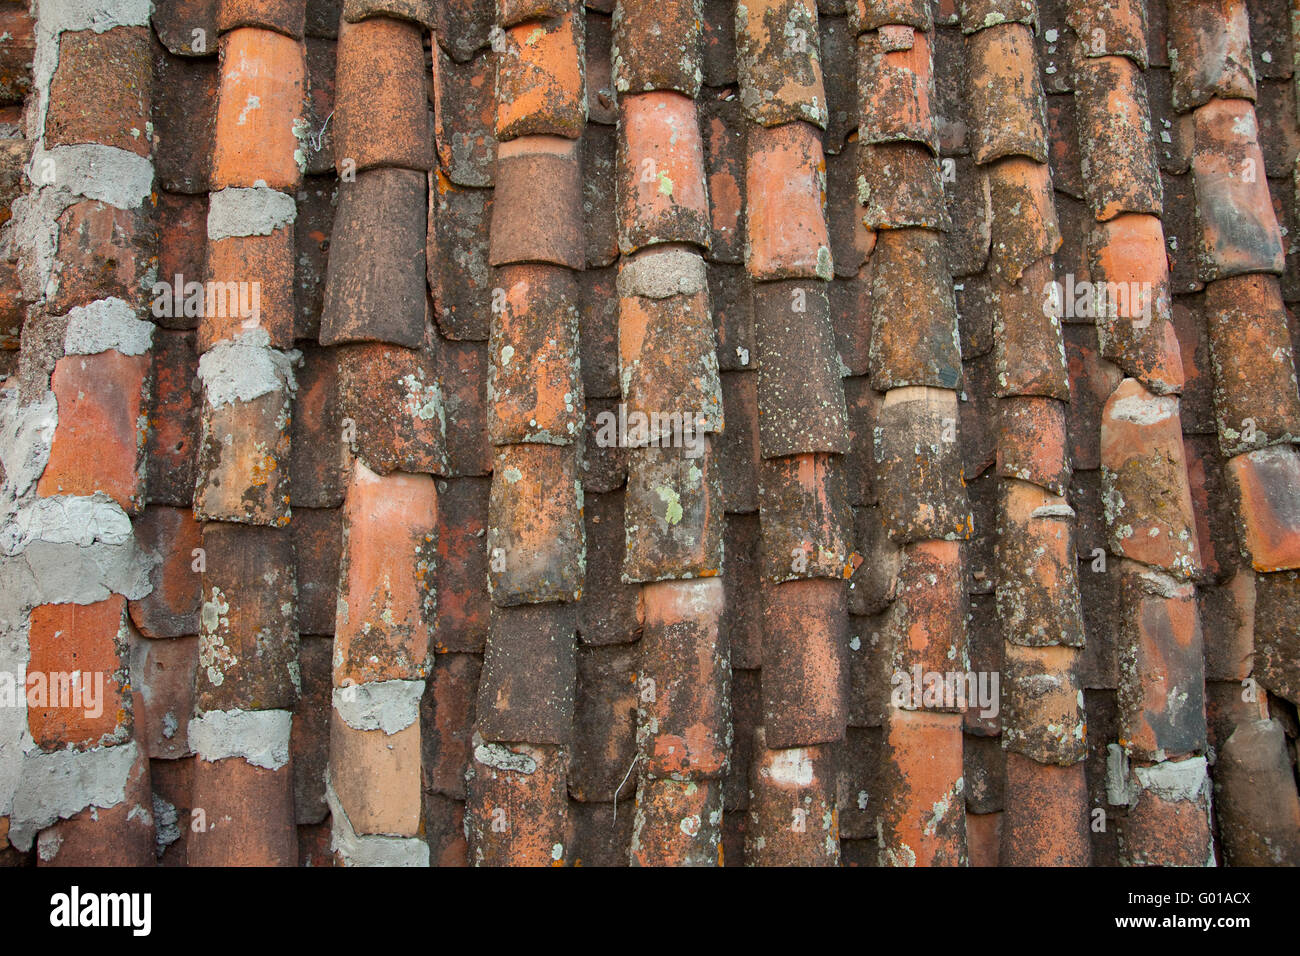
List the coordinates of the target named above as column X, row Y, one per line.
column 779, row 62
column 381, row 114
column 538, row 186
column 101, row 90
column 282, row 16
column 1209, row 48
column 260, row 105
column 540, row 82
column 1006, row 99
column 657, row 46
column 785, row 223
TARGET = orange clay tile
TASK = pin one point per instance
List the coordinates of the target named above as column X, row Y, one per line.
column 259, row 110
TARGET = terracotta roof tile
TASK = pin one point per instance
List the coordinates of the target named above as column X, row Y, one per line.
column 806, row 518
column 381, row 117
column 722, row 127
column 742, row 623
column 918, row 472
column 257, row 145
column 1269, row 520
column 785, row 228
column 1209, row 44
column 460, row 621
column 1238, row 231
column 1118, row 167
column 518, row 805
column 657, row 46
column 465, row 118
column 598, row 195
column 1005, row 97
column 732, row 306
column 604, row 725
column 534, row 387
column 457, row 259
column 462, row 373
column 393, row 399
column 900, row 185
column 1043, row 826
column 966, row 244
column 1111, row 28
column 235, row 267
column 738, row 447
column 184, row 120
column 173, row 420
column 535, row 526
column 282, row 16
column 908, row 265
column 172, row 609
column 447, row 721
column 658, row 836
column 950, row 82
column 839, row 79
column 317, row 537
column 602, row 463
column 901, row 80
column 1019, row 241
column 792, row 810
column 100, row 92
column 248, row 638
column 312, row 229
column 1032, row 442
column 800, row 399
column 602, row 102
column 417, row 11
column 540, row 85
column 608, row 612
column 175, row 23
column 461, row 27
column 673, row 515
column 921, row 772
column 539, row 186
column 526, row 690
column 850, row 300
column 662, row 191
column 778, row 62
column 870, row 14
column 598, row 332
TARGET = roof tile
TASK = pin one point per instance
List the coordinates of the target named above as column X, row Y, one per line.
column 778, row 62
column 517, row 816
column 1209, row 47
column 599, row 149
column 1005, row 96
column 802, row 778
column 1032, row 442
column 1161, row 696
column 282, row 16
column 465, row 118
column 723, row 129
column 317, row 535
column 732, row 305
column 785, row 181
column 608, row 612
column 318, row 452
column 869, row 14
column 99, row 442
column 540, row 86
column 604, row 729
column 738, row 448
column 659, row 837
column 176, row 22
column 851, row 240
column 742, row 624
column 673, row 515
column 250, row 287
column 1042, row 826
column 1021, row 238
column 258, row 145
column 419, row 12
column 248, row 626
column 602, row 103
column 979, row 15
column 683, row 713
column 462, row 372
column 172, row 608
column 173, row 420
column 456, row 258
column 460, row 621
column 312, row 230
column 838, row 76
column 908, row 266
column 598, row 333
column 969, row 208
column 381, row 114
column 602, row 459
column 918, row 470
column 949, row 94
column 925, row 626
column 184, row 119
column 447, row 731
column 1238, row 230
column 1144, row 481
column 394, row 401
column 662, row 193
column 1111, row 28
column 535, row 538
column 100, row 92
column 922, row 795
column 1263, row 486
column 1042, row 716
column 539, row 188
column 534, row 386
column 859, row 463
column 1037, row 588
column 163, row 673
column 386, row 578
column 805, row 666
column 806, row 518
column 1276, row 663
column 718, row 44
column 1119, row 160
column 800, row 398
column 1255, row 398
column 900, row 185
column 462, row 27
column 657, row 46
column 901, row 82
column 529, row 671
column 102, row 252
column 850, row 319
